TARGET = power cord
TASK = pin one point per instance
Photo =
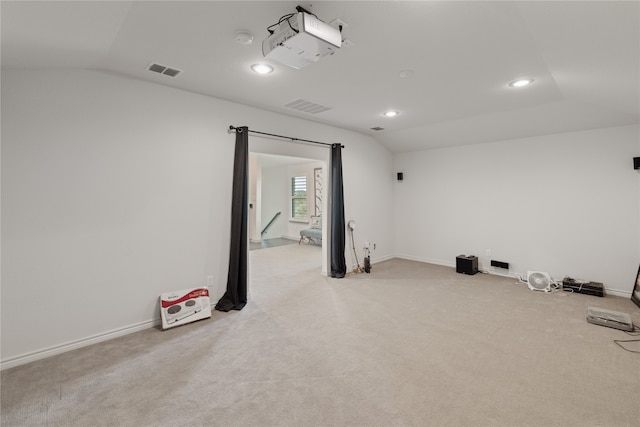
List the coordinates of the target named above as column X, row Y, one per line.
column 554, row 286
column 634, row 333
column 358, row 269
column 291, row 15
column 282, row 18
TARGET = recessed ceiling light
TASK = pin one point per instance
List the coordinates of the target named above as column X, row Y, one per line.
column 521, row 83
column 262, row 68
column 390, row 113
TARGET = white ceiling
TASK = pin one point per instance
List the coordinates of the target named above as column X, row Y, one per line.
column 584, row 57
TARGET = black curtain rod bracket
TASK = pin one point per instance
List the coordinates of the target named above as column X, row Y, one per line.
column 292, row 139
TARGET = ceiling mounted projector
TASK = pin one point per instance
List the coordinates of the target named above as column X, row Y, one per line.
column 301, row 39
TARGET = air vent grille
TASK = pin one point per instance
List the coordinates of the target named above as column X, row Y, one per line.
column 306, row 106
column 162, row 69
column 377, row 128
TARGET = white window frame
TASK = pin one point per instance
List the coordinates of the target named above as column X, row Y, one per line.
column 293, row 197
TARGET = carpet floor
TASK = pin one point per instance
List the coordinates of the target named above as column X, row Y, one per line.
column 410, row 344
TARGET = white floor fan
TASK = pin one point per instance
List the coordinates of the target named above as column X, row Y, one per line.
column 539, row 281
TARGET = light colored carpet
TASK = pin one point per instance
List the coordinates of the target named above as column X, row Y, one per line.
column 410, row 344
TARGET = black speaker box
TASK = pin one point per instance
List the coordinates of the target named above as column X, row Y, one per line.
column 636, row 163
column 467, row 264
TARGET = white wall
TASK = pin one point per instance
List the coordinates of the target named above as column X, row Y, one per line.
column 365, row 199
column 255, row 197
column 276, row 185
column 116, row 190
column 274, row 199
column 568, row 204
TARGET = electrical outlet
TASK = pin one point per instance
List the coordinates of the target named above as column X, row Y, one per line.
column 374, row 246
column 366, row 245
column 209, row 280
column 487, row 253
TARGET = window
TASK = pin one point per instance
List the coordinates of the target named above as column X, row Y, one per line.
column 299, row 197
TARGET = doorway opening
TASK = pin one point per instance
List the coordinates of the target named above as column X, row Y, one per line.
column 286, row 205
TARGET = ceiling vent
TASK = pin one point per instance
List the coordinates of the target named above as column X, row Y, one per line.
column 377, row 128
column 306, row 106
column 161, row 69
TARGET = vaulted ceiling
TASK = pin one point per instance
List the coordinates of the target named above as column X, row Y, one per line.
column 461, row 56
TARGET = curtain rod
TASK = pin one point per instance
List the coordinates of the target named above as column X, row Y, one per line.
column 287, row 137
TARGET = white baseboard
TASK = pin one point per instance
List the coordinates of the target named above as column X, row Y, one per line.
column 381, row 259
column 426, row 260
column 73, row 345
column 617, row 292
column 373, row 262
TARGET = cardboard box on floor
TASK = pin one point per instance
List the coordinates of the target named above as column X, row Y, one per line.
column 184, row 306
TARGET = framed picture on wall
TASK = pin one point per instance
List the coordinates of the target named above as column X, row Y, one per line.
column 635, row 295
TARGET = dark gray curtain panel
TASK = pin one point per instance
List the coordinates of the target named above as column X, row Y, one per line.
column 235, row 298
column 338, row 263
